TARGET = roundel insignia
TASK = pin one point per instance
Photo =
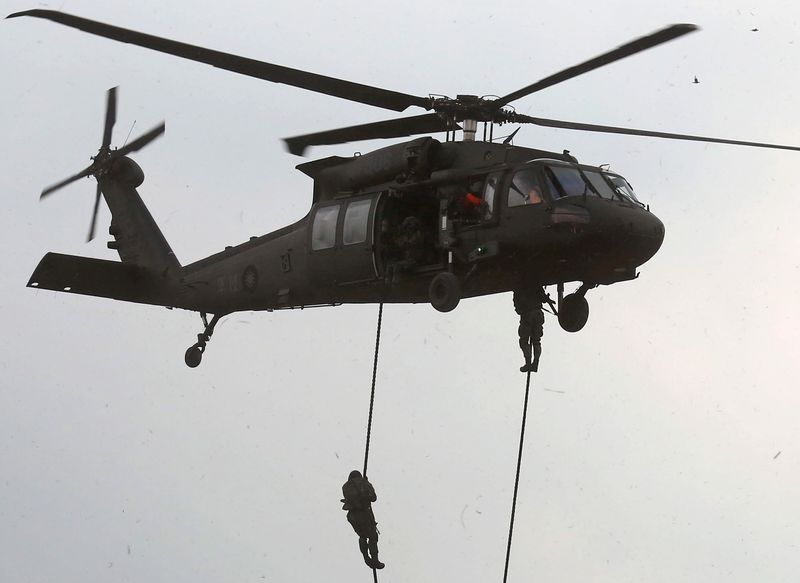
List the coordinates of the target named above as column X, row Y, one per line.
column 250, row 278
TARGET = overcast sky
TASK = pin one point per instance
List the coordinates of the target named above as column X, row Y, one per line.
column 663, row 442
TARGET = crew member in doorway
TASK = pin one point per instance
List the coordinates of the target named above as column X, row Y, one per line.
column 358, row 498
column 410, row 243
column 470, row 206
column 528, row 304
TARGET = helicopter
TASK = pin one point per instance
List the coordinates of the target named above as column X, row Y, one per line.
column 419, row 221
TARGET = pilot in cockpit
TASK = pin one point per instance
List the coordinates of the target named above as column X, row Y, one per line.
column 534, row 195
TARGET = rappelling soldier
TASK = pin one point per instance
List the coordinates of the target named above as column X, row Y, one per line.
column 358, row 498
column 528, row 304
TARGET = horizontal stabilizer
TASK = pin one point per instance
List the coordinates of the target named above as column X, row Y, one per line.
column 97, row 277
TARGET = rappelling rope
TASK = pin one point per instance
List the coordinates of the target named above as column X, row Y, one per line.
column 371, row 404
column 516, row 479
column 372, row 393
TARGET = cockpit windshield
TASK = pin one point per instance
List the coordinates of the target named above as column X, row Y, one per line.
column 574, row 181
column 563, row 180
column 603, row 188
column 623, row 187
column 566, row 180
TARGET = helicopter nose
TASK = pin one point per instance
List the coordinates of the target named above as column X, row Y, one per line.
column 645, row 236
column 628, row 237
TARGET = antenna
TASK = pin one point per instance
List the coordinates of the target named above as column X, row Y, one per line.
column 129, row 134
column 510, row 137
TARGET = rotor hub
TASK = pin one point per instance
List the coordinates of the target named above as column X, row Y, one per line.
column 471, row 107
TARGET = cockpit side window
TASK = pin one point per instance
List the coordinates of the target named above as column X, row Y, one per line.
column 525, row 188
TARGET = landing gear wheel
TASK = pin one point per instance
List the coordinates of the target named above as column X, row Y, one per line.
column 193, row 356
column 445, row 292
column 573, row 312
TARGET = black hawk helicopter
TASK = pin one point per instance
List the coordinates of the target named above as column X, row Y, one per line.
column 423, row 220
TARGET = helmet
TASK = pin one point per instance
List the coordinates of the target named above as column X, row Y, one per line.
column 354, row 474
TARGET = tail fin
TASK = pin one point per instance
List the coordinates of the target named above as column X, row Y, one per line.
column 138, row 239
column 98, row 277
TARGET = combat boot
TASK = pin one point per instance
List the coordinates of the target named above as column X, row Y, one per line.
column 526, row 352
column 537, row 352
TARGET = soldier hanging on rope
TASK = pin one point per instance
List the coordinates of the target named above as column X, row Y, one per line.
column 358, row 498
column 528, row 304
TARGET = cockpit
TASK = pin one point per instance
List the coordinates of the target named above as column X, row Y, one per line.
column 542, row 181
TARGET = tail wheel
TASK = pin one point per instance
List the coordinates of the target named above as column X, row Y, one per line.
column 445, row 292
column 193, row 356
column 573, row 312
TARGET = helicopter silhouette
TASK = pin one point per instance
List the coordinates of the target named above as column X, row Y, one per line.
column 419, row 221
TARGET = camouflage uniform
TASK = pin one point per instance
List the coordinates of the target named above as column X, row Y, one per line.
column 531, row 326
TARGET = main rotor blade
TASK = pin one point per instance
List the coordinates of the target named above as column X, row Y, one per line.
column 141, row 141
column 94, row 213
column 269, row 72
column 393, row 128
column 111, row 116
column 571, row 125
column 626, row 50
column 82, row 174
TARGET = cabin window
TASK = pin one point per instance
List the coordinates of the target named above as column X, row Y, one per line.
column 600, row 185
column 525, row 188
column 323, row 233
column 356, row 219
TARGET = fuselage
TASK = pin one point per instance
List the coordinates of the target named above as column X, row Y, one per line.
column 583, row 224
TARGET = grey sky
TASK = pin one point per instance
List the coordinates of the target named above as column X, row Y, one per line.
column 655, row 461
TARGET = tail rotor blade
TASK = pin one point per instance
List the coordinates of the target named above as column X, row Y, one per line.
column 82, row 174
column 141, row 141
column 94, row 213
column 111, row 116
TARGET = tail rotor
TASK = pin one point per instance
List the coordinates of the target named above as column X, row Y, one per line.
column 102, row 163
